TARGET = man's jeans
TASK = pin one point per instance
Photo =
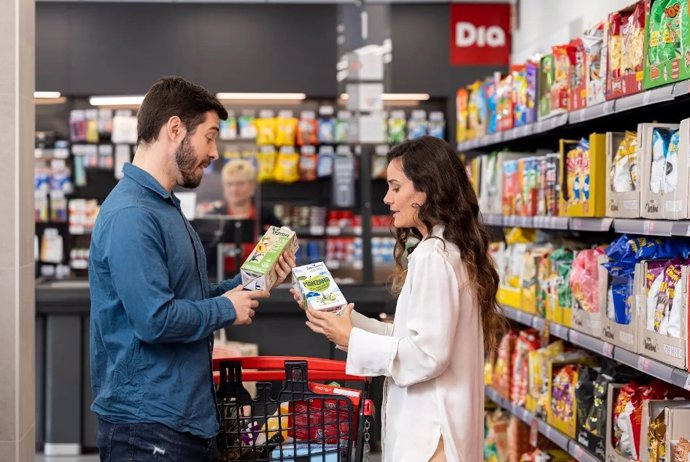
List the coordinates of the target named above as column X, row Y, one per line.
column 147, row 442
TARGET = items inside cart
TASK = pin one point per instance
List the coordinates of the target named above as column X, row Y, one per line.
column 300, row 411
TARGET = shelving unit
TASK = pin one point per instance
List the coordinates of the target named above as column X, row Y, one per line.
column 568, row 445
column 601, row 111
column 665, row 228
column 670, row 374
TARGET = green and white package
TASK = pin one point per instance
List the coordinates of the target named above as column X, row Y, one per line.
column 257, row 271
column 317, row 288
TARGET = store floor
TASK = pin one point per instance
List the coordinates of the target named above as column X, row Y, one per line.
column 94, row 458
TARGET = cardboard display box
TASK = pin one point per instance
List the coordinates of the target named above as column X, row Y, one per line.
column 668, row 350
column 676, row 204
column 621, row 335
column 666, row 43
column 625, row 66
column 620, row 204
column 676, row 417
column 653, row 204
column 611, row 454
column 583, row 192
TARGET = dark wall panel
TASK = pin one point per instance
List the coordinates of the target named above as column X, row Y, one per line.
column 52, row 45
column 121, row 48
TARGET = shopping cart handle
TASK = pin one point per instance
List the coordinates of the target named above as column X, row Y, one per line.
column 278, row 363
column 272, row 368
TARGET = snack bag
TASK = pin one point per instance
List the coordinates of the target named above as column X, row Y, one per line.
column 307, row 130
column 326, row 160
column 396, row 127
column 308, row 161
column 664, row 174
column 595, row 64
column 266, row 160
column 287, row 165
column 342, row 124
column 258, row 269
column 228, row 127
column 317, row 288
column 623, row 175
column 584, row 277
column 247, row 126
column 561, row 75
column 461, row 103
column 265, row 131
column 326, row 130
column 286, row 129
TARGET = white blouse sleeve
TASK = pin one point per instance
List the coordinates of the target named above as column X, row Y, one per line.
column 371, row 325
column 432, row 317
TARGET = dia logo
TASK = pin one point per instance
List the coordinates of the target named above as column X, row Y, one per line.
column 467, row 35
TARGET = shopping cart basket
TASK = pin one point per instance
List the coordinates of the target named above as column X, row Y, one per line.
column 306, row 421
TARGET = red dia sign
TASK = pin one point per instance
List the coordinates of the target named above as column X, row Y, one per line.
column 479, row 34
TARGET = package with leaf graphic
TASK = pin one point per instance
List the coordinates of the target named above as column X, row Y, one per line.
column 317, row 288
column 257, row 270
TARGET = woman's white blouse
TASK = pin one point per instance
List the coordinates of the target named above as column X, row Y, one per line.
column 432, row 357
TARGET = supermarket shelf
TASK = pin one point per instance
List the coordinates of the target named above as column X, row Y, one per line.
column 607, row 108
column 647, row 227
column 649, row 366
column 492, row 219
column 620, row 225
column 590, row 224
column 561, row 440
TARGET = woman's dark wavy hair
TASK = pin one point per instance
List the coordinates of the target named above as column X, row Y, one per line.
column 435, row 169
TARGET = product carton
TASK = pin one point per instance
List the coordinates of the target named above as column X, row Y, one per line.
column 658, row 191
column 666, row 43
column 611, row 454
column 596, row 58
column 676, row 416
column 317, row 288
column 625, row 42
column 585, row 173
column 677, row 204
column 577, row 57
column 621, row 335
column 257, row 271
column 491, row 181
column 666, row 349
column 622, row 201
column 591, row 323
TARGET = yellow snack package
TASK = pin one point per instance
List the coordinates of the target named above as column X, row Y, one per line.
column 286, row 168
column 266, row 161
column 265, row 129
column 286, row 129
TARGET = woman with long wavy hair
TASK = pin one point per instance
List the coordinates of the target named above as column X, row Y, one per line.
column 446, row 315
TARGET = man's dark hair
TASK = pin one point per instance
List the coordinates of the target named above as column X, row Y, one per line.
column 174, row 96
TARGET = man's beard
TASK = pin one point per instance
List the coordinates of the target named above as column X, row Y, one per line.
column 187, row 164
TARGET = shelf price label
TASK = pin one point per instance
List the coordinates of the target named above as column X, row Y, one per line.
column 643, row 364
column 649, row 226
column 577, row 452
column 687, row 382
column 574, row 336
column 534, row 432
column 607, row 350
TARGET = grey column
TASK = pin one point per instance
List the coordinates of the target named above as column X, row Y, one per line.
column 17, row 315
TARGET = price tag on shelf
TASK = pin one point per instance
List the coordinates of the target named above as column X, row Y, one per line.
column 687, row 232
column 607, row 350
column 643, row 364
column 609, row 107
column 687, row 382
column 649, row 227
column 574, row 336
column 646, row 97
column 578, row 453
column 534, row 432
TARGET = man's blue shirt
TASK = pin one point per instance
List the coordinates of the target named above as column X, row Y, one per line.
column 153, row 311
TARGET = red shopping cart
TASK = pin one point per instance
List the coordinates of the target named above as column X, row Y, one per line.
column 303, row 420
